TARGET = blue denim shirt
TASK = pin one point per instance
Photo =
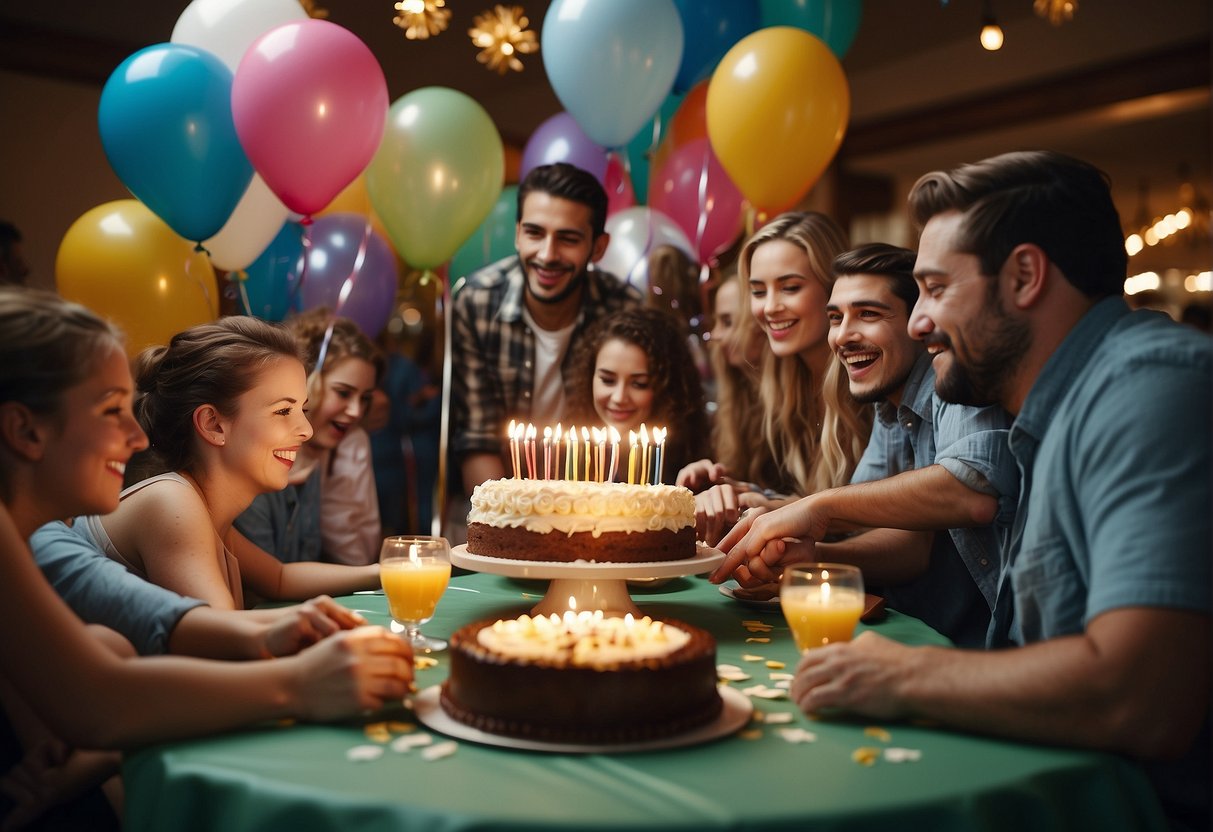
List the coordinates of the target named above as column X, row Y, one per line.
column 958, row 591
column 102, row 591
column 286, row 523
column 1113, row 442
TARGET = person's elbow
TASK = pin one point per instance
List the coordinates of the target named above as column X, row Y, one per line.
column 981, row 509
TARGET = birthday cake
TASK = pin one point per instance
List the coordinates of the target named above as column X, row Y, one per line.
column 566, row 521
column 582, row 678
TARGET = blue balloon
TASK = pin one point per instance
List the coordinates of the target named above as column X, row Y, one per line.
column 641, row 148
column 834, row 21
column 493, row 240
column 710, row 28
column 611, row 62
column 271, row 285
column 165, row 120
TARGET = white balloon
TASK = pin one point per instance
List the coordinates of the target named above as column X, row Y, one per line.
column 227, row 28
column 256, row 220
column 635, row 232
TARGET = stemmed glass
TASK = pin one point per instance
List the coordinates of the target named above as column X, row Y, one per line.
column 414, row 571
column 822, row 602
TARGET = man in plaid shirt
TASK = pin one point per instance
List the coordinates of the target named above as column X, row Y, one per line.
column 516, row 320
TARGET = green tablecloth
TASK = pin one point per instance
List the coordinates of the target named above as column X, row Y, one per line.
column 299, row 778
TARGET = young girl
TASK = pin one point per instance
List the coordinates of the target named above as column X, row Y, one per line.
column 223, row 407
column 66, row 434
column 330, row 509
column 634, row 367
column 813, row 428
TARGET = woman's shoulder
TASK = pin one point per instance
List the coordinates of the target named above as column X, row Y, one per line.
column 163, row 494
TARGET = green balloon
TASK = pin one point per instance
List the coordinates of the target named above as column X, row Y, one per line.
column 437, row 173
column 493, row 240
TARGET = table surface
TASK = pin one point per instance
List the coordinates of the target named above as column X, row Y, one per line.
column 299, row 777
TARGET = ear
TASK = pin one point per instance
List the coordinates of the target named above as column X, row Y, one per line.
column 1026, row 273
column 22, row 431
column 599, row 247
column 209, row 424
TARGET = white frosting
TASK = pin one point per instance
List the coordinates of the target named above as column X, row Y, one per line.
column 569, row 507
column 582, row 639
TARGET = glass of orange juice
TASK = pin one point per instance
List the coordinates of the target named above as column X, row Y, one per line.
column 414, row 571
column 822, row 602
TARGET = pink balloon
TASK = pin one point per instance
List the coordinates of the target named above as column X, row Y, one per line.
column 618, row 184
column 692, row 189
column 309, row 102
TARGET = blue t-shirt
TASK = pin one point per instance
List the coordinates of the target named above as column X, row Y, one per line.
column 286, row 523
column 102, row 591
column 1113, row 443
column 957, row 592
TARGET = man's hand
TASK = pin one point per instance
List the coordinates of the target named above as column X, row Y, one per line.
column 862, row 677
column 305, row 624
column 758, row 539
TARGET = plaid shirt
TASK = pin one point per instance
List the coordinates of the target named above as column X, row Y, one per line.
column 493, row 350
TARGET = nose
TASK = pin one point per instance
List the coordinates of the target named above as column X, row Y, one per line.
column 137, row 439
column 304, row 429
column 353, row 408
column 547, row 251
column 771, row 303
column 920, row 325
column 846, row 330
column 619, row 394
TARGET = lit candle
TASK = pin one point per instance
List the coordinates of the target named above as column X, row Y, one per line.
column 645, row 455
column 547, row 452
column 556, row 439
column 614, row 454
column 572, row 471
column 599, row 438
column 659, row 438
column 510, row 432
column 528, row 446
column 585, row 437
column 632, row 458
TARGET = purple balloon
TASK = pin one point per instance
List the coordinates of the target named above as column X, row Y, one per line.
column 345, row 248
column 561, row 139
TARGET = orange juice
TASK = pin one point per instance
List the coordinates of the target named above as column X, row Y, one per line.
column 821, row 615
column 414, row 587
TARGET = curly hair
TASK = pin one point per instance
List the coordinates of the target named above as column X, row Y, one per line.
column 678, row 399
column 311, row 329
column 815, row 431
column 211, row 364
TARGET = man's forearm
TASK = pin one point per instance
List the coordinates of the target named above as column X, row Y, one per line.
column 925, row 499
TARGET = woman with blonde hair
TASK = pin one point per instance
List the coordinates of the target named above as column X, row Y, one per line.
column 814, row 431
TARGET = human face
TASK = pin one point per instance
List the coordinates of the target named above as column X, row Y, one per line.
column 344, row 396
column 269, row 426
column 868, row 333
column 787, row 299
column 90, row 439
column 724, row 332
column 977, row 346
column 556, row 245
column 623, row 391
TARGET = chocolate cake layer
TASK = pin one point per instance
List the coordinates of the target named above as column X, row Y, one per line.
column 608, row 547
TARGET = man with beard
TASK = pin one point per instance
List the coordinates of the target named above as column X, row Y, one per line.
column 1021, row 266
column 929, row 465
column 516, row 320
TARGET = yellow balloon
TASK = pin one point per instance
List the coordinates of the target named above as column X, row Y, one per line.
column 777, row 109
column 125, row 263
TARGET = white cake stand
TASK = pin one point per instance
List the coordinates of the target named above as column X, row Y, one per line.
column 582, row 585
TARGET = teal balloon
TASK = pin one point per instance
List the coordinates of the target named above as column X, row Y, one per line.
column 493, row 240
column 710, row 28
column 641, row 148
column 272, row 282
column 612, row 62
column 834, row 21
column 165, row 120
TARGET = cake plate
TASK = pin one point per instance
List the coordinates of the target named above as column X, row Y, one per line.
column 585, row 585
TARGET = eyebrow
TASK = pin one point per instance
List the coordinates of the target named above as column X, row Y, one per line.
column 534, row 226
column 922, row 274
column 864, row 304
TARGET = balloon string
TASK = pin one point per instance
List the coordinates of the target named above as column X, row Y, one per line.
column 206, row 293
column 293, row 302
column 441, row 308
column 240, row 277
column 701, row 226
column 343, row 296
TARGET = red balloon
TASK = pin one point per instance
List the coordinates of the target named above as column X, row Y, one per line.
column 620, row 193
column 693, row 190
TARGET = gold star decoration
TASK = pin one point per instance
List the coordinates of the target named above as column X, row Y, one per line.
column 1057, row 11
column 313, row 11
column 422, row 18
column 502, row 35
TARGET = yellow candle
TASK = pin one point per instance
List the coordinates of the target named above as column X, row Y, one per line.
column 513, row 446
column 632, row 458
column 820, row 615
column 614, row 454
column 585, row 437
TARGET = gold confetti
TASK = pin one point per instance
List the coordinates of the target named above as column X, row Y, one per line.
column 750, row 734
column 877, row 733
column 376, row 732
column 401, row 727
column 423, row 662
column 774, row 665
column 866, row 755
column 750, row 657
column 756, row 640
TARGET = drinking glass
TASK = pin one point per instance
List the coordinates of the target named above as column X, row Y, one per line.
column 822, row 602
column 414, row 571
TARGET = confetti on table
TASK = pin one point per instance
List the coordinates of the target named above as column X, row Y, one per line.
column 783, row 684
column 750, row 734
column 782, row 677
column 797, row 735
column 754, row 640
column 763, row 692
column 405, row 744
column 376, row 732
column 732, row 674
column 778, row 717
column 774, row 665
column 437, row 752
column 866, row 755
column 750, row 657
column 364, row 753
column 423, row 662
column 902, row 755
column 401, row 727
column 877, row 733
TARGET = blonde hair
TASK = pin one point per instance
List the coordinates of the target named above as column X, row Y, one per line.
column 814, row 430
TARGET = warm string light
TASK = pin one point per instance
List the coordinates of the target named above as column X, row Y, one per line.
column 589, row 454
column 991, row 32
column 421, row 19
column 1056, row 12
column 502, row 35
